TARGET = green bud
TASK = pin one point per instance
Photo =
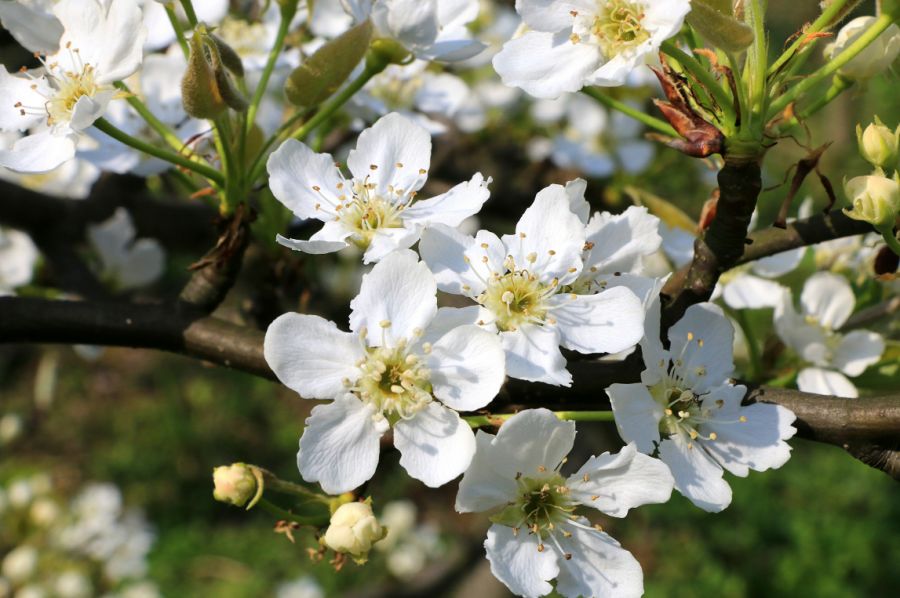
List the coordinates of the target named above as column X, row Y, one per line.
column 715, row 21
column 237, row 484
column 385, row 51
column 200, row 93
column 878, row 144
column 323, row 73
column 229, row 57
column 875, row 199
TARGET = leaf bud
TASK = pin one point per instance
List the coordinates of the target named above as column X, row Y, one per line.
column 200, row 93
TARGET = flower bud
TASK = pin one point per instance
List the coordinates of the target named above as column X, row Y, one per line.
column 875, row 199
column 878, row 144
column 353, row 529
column 874, row 58
column 200, row 93
column 235, row 484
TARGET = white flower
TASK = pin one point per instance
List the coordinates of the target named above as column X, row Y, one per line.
column 874, row 58
column 539, row 534
column 687, row 409
column 523, row 285
column 20, row 563
column 71, row 180
column 825, row 304
column 401, row 358
column 875, row 199
column 430, row 29
column 101, row 44
column 376, row 208
column 306, row 586
column 585, row 42
column 32, row 24
column 18, row 256
column 125, row 262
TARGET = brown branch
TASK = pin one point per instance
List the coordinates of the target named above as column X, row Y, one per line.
column 869, row 429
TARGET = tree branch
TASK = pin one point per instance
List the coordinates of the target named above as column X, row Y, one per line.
column 869, row 428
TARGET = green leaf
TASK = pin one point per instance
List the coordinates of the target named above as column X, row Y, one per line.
column 715, row 21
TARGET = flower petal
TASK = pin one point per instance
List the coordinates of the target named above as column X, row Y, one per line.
column 328, row 239
column 467, row 368
column 757, row 442
column 444, row 250
column 618, row 242
column 608, row 322
column 435, row 445
column 452, row 207
column 396, row 300
column 616, row 483
column 40, row 152
column 386, row 240
column 779, row 264
column 697, row 476
column 637, row 415
column 599, row 566
column 546, row 64
column 534, row 441
column 703, row 342
column 746, row 291
column 485, row 485
column 828, row 297
column 307, row 183
column 400, row 152
column 857, row 351
column 517, row 562
column 532, row 353
column 339, row 447
column 826, row 382
column 311, row 356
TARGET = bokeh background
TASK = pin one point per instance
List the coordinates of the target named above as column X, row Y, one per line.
column 155, row 425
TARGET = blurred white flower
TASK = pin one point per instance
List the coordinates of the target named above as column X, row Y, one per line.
column 874, row 58
column 18, row 256
column 20, row 563
column 125, row 262
column 304, row 587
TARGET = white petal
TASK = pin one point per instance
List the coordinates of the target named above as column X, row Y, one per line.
column 144, row 263
column 809, row 341
column 532, row 353
column 620, row 241
column 328, row 239
column 33, row 28
column 599, row 567
column 697, row 476
column 339, row 447
column 452, row 207
column 637, row 415
column 486, row 256
column 703, row 341
column 443, row 249
column 828, row 297
column 40, row 152
column 546, row 64
column 608, row 322
column 400, row 151
column 779, row 264
column 516, row 561
column 485, row 485
column 746, row 291
column 396, row 299
column 448, row 318
column 412, row 22
column 574, row 190
column 295, row 173
column 857, row 351
column 435, row 445
column 532, row 442
column 467, row 368
column 88, row 109
column 757, row 443
column 552, row 15
column 15, row 89
column 616, row 483
column 311, row 356
column 826, row 382
column 549, row 238
column 387, row 240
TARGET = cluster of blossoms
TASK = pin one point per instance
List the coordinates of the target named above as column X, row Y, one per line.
column 446, row 311
column 91, row 545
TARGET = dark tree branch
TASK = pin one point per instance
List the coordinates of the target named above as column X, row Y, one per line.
column 869, row 429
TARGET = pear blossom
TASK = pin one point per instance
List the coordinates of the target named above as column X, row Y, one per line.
column 125, row 262
column 70, row 180
column 686, row 409
column 101, row 44
column 570, row 44
column 18, row 256
column 305, row 586
column 826, row 303
column 538, row 532
column 404, row 364
column 874, row 58
column 376, row 209
column 429, row 29
column 522, row 284
column 32, row 24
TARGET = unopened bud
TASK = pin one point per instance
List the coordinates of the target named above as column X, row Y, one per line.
column 228, row 56
column 875, row 199
column 353, row 530
column 207, row 89
column 878, row 144
column 874, row 58
column 715, row 21
column 236, row 484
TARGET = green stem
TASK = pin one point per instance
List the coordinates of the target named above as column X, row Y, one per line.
column 752, row 346
column 890, row 239
column 613, row 104
column 478, row 421
column 825, row 21
column 278, row 485
column 839, row 85
column 739, row 85
column 288, row 516
column 179, row 30
column 323, row 114
column 693, row 66
column 283, row 26
column 157, row 125
column 207, row 171
column 189, row 12
column 760, row 60
column 832, row 67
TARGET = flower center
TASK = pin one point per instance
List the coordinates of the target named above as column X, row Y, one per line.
column 365, row 212
column 542, row 504
column 394, row 381
column 517, row 298
column 616, row 27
